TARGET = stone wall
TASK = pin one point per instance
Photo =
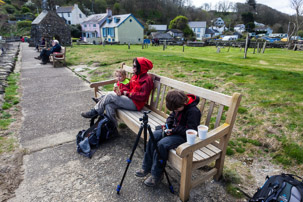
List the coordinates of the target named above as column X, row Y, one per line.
column 7, row 66
column 51, row 26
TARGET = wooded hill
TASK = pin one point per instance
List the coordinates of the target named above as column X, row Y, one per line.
column 157, row 11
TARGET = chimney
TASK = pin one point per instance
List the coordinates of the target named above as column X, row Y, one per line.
column 76, row 5
column 109, row 12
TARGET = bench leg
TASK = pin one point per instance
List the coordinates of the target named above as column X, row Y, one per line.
column 185, row 182
column 220, row 161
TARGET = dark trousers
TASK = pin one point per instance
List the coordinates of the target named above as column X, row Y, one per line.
column 151, row 158
column 45, row 55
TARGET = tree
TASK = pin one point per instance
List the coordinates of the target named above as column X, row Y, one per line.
column 297, row 5
column 248, row 21
column 252, row 3
column 116, row 8
column 180, row 22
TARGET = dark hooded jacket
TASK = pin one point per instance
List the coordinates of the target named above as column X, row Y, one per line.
column 188, row 118
column 141, row 85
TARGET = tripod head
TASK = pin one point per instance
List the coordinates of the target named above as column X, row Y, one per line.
column 145, row 116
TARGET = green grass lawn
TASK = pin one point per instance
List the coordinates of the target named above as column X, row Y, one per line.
column 271, row 114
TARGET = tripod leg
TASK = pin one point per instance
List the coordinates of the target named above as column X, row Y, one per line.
column 130, row 158
column 161, row 161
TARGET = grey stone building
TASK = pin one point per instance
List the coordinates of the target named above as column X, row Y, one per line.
column 50, row 26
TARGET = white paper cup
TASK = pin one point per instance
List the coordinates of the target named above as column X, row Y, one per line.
column 202, row 131
column 191, row 136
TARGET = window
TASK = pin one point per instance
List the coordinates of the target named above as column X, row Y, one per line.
column 109, row 39
column 94, row 25
column 198, row 35
column 113, row 40
column 139, row 39
column 130, row 20
column 111, row 32
column 198, row 29
column 69, row 22
column 85, row 25
column 68, row 14
column 104, row 31
column 80, row 15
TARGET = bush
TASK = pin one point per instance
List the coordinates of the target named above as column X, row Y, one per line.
column 24, row 24
column 10, row 9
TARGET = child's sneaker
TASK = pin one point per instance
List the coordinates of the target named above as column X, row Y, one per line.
column 152, row 181
column 141, row 173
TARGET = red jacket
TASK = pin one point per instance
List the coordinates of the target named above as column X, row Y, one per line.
column 141, row 85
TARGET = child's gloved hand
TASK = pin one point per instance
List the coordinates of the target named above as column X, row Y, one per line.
column 168, row 131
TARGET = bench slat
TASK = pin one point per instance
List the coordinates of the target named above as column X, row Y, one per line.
column 162, row 96
column 213, row 148
column 219, row 115
column 210, row 111
column 198, row 91
column 207, row 151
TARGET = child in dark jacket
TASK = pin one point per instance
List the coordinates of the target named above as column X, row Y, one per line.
column 185, row 115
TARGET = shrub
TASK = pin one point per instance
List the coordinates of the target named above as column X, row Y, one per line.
column 24, row 24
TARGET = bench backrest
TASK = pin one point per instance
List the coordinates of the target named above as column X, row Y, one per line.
column 216, row 108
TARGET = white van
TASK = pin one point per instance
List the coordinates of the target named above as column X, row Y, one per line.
column 230, row 38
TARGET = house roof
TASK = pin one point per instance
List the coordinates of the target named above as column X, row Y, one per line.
column 122, row 18
column 94, row 18
column 65, row 9
column 40, row 17
column 209, row 31
column 158, row 27
column 161, row 35
column 175, row 30
column 193, row 24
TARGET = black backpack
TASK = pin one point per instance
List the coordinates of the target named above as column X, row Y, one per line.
column 89, row 140
column 280, row 188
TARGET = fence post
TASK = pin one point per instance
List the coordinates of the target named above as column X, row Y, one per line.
column 264, row 46
column 246, row 47
column 128, row 45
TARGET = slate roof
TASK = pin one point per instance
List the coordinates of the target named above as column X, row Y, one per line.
column 40, row 17
column 158, row 27
column 65, row 9
column 114, row 23
column 94, row 18
column 193, row 24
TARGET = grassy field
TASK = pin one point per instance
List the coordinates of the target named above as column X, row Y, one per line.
column 270, row 117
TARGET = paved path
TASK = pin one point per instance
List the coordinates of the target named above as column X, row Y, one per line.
column 52, row 100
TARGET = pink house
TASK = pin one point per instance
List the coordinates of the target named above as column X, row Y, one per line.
column 92, row 24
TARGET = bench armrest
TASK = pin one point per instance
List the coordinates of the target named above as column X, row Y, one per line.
column 102, row 83
column 185, row 149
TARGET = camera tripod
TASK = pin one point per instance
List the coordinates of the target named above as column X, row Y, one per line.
column 144, row 126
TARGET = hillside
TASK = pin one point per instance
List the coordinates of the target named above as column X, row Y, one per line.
column 148, row 11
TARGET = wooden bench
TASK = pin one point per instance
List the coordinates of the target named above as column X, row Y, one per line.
column 187, row 158
column 58, row 57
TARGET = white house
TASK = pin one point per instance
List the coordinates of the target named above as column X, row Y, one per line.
column 239, row 28
column 259, row 27
column 158, row 28
column 71, row 14
column 218, row 22
column 91, row 26
column 122, row 29
column 198, row 28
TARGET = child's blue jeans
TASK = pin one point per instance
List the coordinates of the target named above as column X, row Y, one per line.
column 151, row 158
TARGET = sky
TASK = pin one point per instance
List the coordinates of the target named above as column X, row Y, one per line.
column 280, row 5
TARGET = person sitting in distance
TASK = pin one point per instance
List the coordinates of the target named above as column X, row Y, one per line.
column 185, row 115
column 45, row 53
